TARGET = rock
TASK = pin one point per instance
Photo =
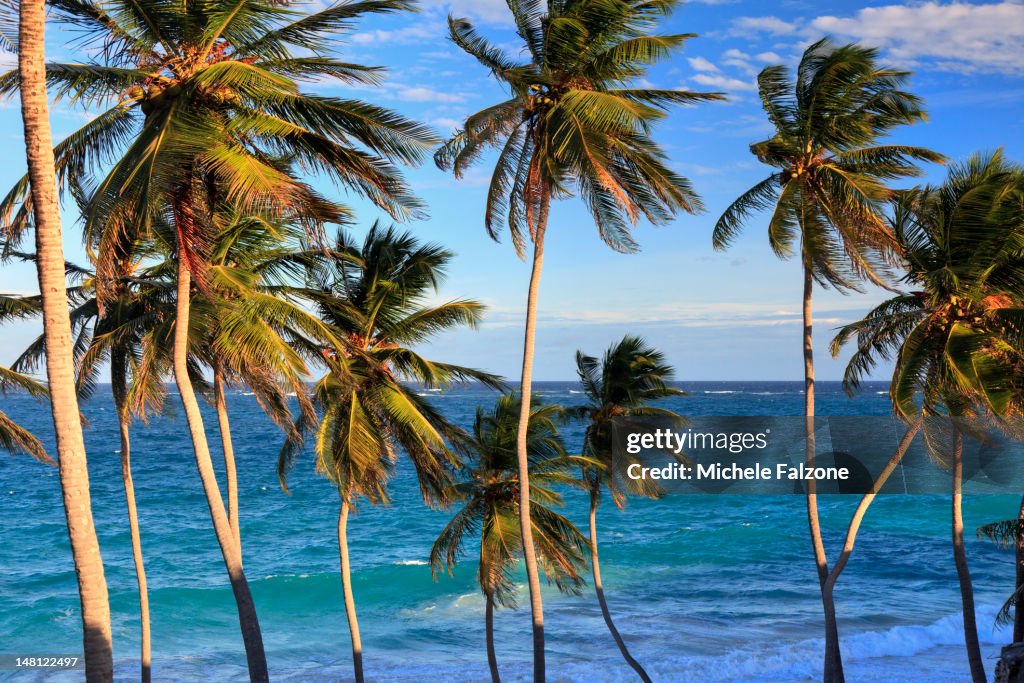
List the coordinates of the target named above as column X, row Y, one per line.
column 1010, row 667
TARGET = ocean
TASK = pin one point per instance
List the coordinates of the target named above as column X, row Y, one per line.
column 704, row 588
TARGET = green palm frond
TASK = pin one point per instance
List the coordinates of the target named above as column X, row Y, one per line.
column 578, row 121
column 829, row 195
column 488, row 491
column 956, row 339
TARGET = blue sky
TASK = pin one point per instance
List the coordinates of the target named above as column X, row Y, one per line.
column 728, row 316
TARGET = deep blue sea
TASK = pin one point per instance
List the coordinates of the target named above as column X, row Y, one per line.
column 704, row 588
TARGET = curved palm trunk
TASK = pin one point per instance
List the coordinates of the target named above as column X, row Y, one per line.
column 1018, row 607
column 247, row 618
column 230, row 473
column 865, row 502
column 963, row 572
column 67, row 424
column 346, row 586
column 492, row 657
column 599, row 588
column 119, row 378
column 525, row 525
column 833, row 658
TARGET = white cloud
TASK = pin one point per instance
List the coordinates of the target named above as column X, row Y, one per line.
column 769, row 57
column 418, row 32
column 701, row 64
column 772, row 25
column 486, row 11
column 956, row 36
column 422, row 94
column 733, row 53
column 447, row 123
column 724, row 82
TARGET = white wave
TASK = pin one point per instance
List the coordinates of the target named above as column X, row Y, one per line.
column 724, row 391
column 411, row 563
column 869, row 653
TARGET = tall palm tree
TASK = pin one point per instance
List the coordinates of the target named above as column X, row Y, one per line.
column 116, row 336
column 958, row 336
column 489, row 494
column 578, row 121
column 71, row 457
column 623, row 383
column 374, row 297
column 244, row 323
column 205, row 106
column 826, row 198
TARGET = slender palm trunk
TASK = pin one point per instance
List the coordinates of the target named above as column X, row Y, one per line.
column 963, row 572
column 865, row 502
column 67, row 424
column 526, row 526
column 1018, row 607
column 346, row 586
column 833, row 658
column 119, row 390
column 492, row 657
column 224, row 424
column 595, row 564
column 247, row 618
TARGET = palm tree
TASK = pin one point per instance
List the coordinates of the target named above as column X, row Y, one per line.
column 116, row 335
column 489, row 494
column 243, row 324
column 204, row 107
column 74, row 474
column 236, row 326
column 958, row 337
column 374, row 299
column 828, row 192
column 623, row 383
column 577, row 122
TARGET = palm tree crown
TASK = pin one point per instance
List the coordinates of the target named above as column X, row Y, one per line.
column 489, row 491
column 830, row 185
column 575, row 122
column 205, row 105
column 373, row 297
column 630, row 376
column 958, row 336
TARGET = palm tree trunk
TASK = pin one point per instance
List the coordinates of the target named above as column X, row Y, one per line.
column 963, row 572
column 595, row 564
column 525, row 524
column 346, row 586
column 67, row 424
column 1018, row 607
column 865, row 502
column 492, row 657
column 247, row 618
column 833, row 658
column 118, row 375
column 230, row 473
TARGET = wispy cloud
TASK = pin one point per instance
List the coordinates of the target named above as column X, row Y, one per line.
column 726, row 83
column 701, row 64
column 957, row 36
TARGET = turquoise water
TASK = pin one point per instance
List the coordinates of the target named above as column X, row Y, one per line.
column 704, row 588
